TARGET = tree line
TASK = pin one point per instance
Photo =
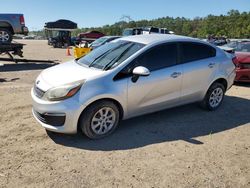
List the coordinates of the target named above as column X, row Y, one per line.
column 232, row 25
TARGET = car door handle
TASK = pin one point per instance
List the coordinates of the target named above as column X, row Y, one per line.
column 211, row 65
column 175, row 74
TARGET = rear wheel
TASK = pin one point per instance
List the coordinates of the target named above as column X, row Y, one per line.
column 100, row 119
column 214, row 97
column 5, row 35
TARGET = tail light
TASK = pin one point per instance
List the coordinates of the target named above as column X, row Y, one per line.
column 236, row 62
column 22, row 22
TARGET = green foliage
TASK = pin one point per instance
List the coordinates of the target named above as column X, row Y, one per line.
column 232, row 25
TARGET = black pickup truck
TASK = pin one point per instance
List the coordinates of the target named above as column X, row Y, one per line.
column 11, row 24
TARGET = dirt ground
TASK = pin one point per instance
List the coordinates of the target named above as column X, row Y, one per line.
column 181, row 147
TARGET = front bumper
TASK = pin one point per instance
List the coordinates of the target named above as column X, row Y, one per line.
column 54, row 119
column 44, row 111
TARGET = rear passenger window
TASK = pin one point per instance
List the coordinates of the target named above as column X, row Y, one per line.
column 191, row 51
column 159, row 57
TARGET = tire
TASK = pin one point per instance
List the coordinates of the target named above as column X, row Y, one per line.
column 214, row 97
column 92, row 124
column 5, row 35
column 54, row 45
column 59, row 45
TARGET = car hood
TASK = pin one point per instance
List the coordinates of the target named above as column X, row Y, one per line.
column 64, row 74
column 243, row 57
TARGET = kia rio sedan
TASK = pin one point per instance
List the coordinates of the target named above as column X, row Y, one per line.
column 129, row 77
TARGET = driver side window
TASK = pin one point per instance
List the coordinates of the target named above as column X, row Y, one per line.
column 157, row 58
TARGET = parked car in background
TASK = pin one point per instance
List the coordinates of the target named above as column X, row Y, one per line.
column 242, row 62
column 103, row 40
column 84, row 48
column 129, row 77
column 151, row 30
column 132, row 31
column 145, row 30
column 18, row 36
column 217, row 40
column 165, row 31
column 11, row 24
column 90, row 36
column 29, row 37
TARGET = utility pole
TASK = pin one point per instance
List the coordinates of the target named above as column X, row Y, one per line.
column 126, row 18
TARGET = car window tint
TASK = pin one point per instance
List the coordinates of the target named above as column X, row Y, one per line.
column 191, row 51
column 244, row 47
column 154, row 30
column 159, row 57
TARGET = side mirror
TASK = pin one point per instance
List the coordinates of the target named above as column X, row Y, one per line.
column 139, row 71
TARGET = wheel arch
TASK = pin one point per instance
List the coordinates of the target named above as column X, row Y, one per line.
column 6, row 25
column 222, row 81
column 118, row 104
column 204, row 103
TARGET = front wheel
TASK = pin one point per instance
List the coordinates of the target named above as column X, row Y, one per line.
column 214, row 97
column 100, row 119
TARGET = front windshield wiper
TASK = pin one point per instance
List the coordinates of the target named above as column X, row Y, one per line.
column 111, row 50
column 112, row 62
column 76, row 60
column 100, row 56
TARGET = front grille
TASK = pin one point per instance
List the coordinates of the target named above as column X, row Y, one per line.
column 38, row 92
column 54, row 120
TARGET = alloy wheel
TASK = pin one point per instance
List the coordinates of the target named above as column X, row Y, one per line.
column 4, row 36
column 216, row 97
column 103, row 120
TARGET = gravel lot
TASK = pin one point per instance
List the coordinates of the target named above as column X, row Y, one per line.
column 181, row 147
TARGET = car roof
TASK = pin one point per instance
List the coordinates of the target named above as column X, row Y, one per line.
column 155, row 38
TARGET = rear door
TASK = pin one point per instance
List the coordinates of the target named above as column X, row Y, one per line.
column 199, row 66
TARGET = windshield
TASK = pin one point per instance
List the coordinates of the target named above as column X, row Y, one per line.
column 99, row 41
column 110, row 55
column 127, row 32
column 239, row 46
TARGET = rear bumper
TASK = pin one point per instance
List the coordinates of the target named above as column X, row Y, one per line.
column 25, row 30
column 231, row 79
column 242, row 75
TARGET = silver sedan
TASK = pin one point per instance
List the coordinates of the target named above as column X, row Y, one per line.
column 129, row 77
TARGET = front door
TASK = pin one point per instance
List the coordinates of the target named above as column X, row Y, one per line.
column 162, row 88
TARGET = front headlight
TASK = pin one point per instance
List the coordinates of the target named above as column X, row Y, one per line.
column 63, row 92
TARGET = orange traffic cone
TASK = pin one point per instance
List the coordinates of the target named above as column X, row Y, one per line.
column 68, row 52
